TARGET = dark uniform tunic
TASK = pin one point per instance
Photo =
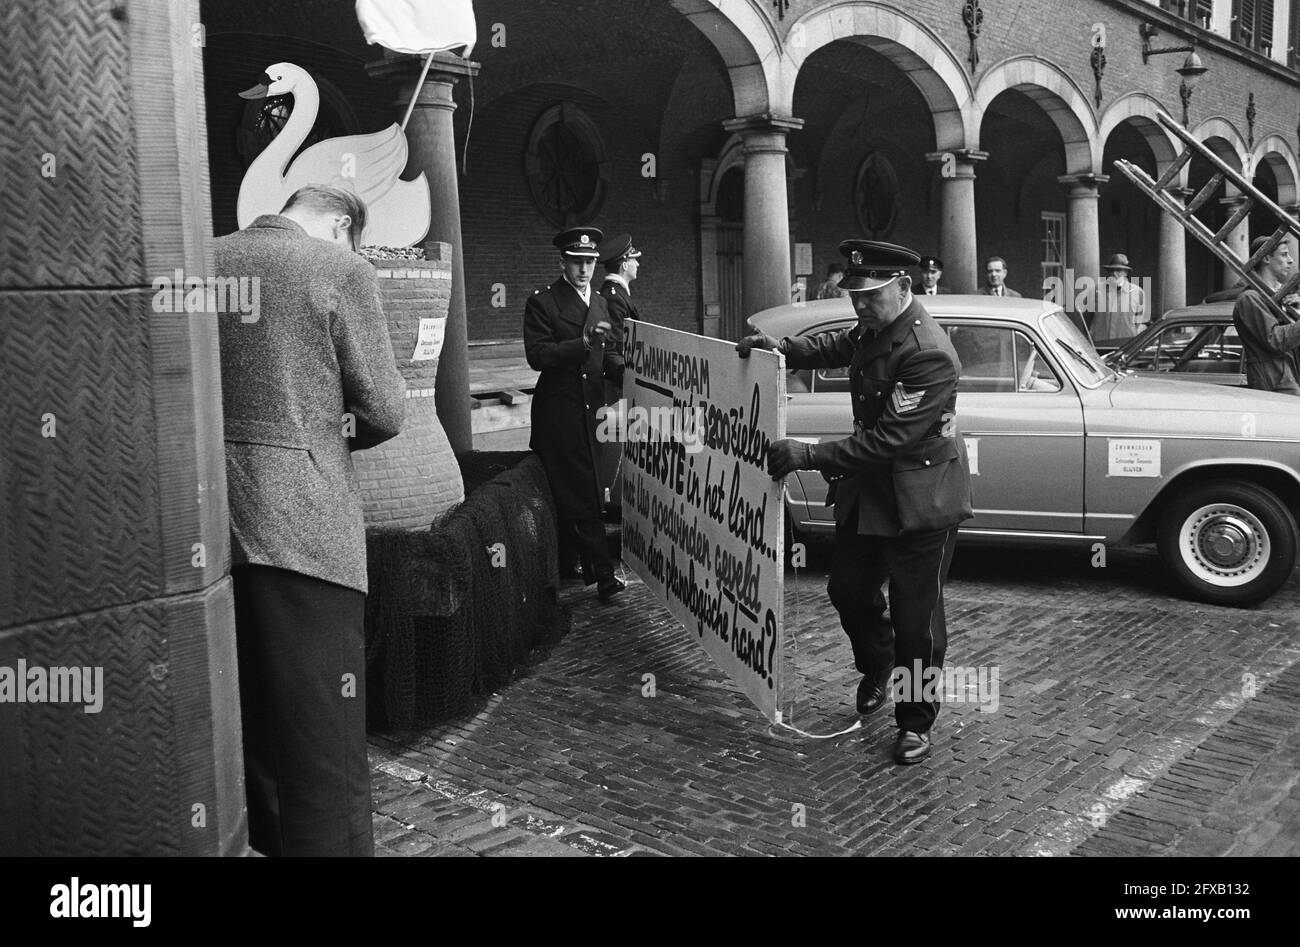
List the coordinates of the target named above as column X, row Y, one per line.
column 903, row 486
column 621, row 308
column 569, row 392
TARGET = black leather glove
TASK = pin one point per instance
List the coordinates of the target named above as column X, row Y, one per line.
column 593, row 334
column 788, row 455
column 757, row 340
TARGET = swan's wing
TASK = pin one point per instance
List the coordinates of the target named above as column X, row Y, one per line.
column 369, row 165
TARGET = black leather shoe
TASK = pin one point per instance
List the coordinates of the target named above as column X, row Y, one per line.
column 609, row 588
column 911, row 747
column 873, row 692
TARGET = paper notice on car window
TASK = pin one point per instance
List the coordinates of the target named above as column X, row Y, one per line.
column 973, row 455
column 1133, row 458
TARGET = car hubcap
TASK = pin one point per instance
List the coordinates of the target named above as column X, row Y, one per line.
column 1225, row 544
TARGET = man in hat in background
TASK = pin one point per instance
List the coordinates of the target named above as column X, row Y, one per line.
column 1121, row 306
column 570, row 339
column 1270, row 344
column 899, row 483
column 931, row 272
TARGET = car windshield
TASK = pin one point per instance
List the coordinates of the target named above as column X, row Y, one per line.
column 1074, row 349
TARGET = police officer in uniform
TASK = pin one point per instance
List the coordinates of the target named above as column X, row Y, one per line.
column 570, row 339
column 622, row 262
column 931, row 273
column 899, row 483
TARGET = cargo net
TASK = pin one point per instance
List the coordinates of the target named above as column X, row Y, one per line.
column 455, row 612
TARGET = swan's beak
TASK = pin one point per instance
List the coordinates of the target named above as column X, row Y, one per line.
column 258, row 91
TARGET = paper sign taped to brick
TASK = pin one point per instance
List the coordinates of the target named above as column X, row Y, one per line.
column 702, row 518
column 429, row 343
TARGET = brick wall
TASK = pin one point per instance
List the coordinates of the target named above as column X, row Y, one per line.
column 507, row 239
column 412, row 478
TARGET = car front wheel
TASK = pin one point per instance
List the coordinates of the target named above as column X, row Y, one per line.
column 1228, row 543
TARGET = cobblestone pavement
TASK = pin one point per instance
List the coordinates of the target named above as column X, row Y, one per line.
column 1129, row 722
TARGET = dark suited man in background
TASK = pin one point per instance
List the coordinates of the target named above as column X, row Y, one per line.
column 995, row 275
column 899, row 483
column 931, row 273
column 569, row 337
column 305, row 384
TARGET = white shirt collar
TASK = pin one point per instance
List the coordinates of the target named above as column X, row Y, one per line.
column 584, row 293
column 619, row 278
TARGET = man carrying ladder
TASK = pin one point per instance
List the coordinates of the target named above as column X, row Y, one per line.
column 1267, row 314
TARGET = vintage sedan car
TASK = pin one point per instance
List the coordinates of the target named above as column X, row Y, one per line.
column 1065, row 450
column 1194, row 343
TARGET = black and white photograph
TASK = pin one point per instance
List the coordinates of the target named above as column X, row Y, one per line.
column 651, row 428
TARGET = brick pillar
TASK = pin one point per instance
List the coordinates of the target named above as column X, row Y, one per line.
column 961, row 273
column 114, row 541
column 767, row 210
column 432, row 139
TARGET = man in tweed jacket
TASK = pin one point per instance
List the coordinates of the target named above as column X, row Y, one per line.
column 306, row 381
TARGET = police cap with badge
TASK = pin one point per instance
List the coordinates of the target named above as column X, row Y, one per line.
column 874, row 264
column 579, row 242
column 931, row 263
column 617, row 249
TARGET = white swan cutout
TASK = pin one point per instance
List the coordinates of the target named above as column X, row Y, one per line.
column 398, row 211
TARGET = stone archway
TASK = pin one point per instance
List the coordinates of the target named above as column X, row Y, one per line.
column 1274, row 152
column 1037, row 206
column 1275, row 175
column 747, row 43
column 1206, row 273
column 1221, row 136
column 1056, row 94
column 1128, row 221
column 1140, row 109
column 926, row 60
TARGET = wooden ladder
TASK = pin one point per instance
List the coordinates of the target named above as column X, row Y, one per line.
column 1164, row 191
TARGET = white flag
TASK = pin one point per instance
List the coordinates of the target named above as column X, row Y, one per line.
column 418, row 26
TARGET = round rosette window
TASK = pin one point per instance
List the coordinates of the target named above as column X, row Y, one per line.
column 566, row 166
column 875, row 196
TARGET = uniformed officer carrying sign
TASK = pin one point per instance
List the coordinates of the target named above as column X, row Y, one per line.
column 900, row 483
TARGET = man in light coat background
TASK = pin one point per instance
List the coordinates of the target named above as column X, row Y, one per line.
column 306, row 382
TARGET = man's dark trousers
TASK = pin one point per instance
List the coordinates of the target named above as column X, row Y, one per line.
column 301, row 645
column 917, row 568
column 584, row 540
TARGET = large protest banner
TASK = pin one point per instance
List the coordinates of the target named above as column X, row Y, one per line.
column 702, row 518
